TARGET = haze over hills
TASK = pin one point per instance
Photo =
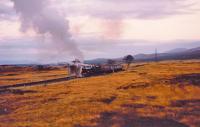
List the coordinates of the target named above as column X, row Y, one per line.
column 174, row 54
column 193, row 53
column 176, row 50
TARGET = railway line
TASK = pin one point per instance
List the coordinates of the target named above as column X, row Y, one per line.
column 37, row 82
column 75, row 72
column 45, row 82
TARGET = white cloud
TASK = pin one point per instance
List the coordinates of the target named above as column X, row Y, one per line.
column 142, row 9
column 106, row 28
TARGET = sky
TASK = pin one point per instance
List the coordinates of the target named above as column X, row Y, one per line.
column 49, row 31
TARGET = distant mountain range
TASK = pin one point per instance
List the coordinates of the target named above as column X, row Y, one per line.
column 177, row 50
column 175, row 54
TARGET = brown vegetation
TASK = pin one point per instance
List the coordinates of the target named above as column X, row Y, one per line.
column 163, row 94
column 12, row 75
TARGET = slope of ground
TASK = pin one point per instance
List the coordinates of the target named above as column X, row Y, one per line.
column 10, row 75
column 164, row 94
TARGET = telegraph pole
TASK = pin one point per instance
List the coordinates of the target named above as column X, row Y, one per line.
column 156, row 55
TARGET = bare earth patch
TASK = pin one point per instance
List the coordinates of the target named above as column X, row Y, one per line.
column 193, row 79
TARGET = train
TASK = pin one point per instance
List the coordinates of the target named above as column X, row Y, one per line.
column 91, row 70
column 77, row 69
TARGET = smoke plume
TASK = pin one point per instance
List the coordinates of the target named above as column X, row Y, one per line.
column 39, row 16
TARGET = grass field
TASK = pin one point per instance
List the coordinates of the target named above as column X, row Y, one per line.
column 12, row 75
column 163, row 94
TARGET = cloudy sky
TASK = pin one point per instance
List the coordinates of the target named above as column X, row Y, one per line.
column 42, row 31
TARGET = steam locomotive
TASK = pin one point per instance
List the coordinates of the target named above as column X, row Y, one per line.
column 78, row 69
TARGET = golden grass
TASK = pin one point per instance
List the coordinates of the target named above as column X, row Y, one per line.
column 30, row 75
column 142, row 94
